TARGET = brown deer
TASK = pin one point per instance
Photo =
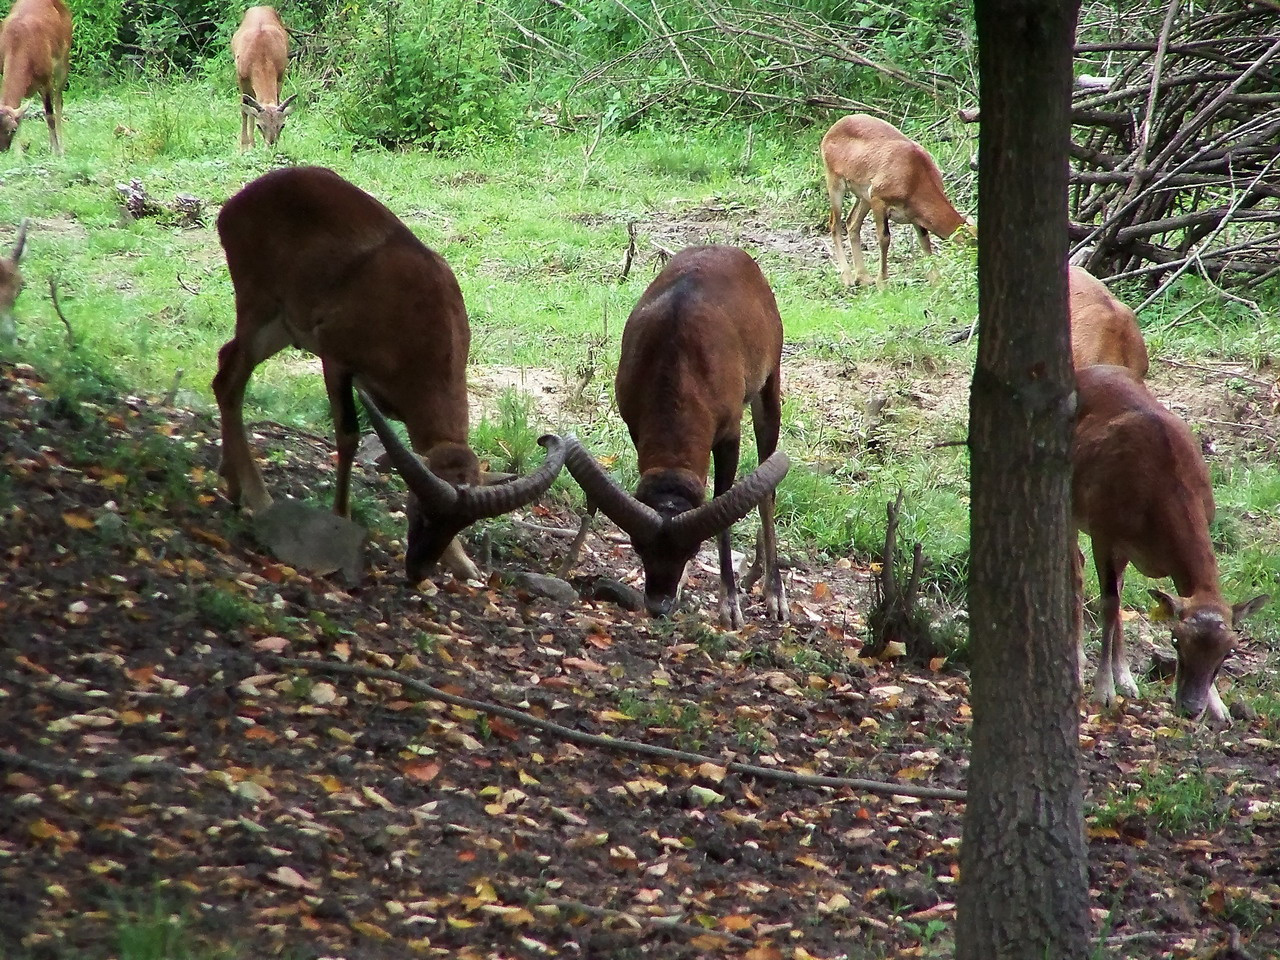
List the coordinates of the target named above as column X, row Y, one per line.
column 704, row 339
column 319, row 264
column 261, row 49
column 11, row 282
column 1103, row 330
column 895, row 179
column 35, row 44
column 1141, row 491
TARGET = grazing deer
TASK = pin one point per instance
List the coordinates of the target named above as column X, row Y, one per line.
column 1103, row 330
column 319, row 264
column 11, row 282
column 35, row 43
column 261, row 49
column 895, row 179
column 704, row 339
column 1140, row 490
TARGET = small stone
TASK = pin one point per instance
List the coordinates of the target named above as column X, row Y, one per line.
column 553, row 588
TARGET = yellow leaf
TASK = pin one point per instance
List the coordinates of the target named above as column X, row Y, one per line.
column 330, row 783
column 527, row 780
column 612, row 716
column 460, row 923
column 77, row 521
column 370, row 930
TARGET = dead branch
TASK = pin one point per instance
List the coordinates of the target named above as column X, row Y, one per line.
column 57, row 308
column 1172, row 163
column 617, row 745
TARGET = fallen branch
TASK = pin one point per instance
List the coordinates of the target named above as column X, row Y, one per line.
column 621, row 746
column 70, row 771
column 535, row 898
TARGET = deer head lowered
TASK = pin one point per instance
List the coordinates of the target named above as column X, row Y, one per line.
column 319, row 264
column 261, row 50
column 35, row 47
column 894, row 178
column 1141, row 491
column 704, row 339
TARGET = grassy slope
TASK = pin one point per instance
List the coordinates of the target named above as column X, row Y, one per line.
column 536, row 232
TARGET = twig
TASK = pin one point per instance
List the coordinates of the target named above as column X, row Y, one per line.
column 622, row 746
column 630, row 253
column 172, row 393
column 536, row 898
column 194, row 291
column 57, row 308
column 70, row 771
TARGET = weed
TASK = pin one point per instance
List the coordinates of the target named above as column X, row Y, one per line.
column 224, row 609
column 1173, row 799
column 159, row 931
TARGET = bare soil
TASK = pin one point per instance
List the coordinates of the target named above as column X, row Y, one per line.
column 155, row 749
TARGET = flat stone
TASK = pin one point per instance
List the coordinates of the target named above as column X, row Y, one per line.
column 553, row 588
column 317, row 541
column 615, row 591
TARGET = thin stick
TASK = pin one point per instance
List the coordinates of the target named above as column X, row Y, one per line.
column 536, row 898
column 57, row 308
column 622, row 746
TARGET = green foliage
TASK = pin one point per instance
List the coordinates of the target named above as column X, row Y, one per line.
column 95, row 31
column 430, row 74
column 1169, row 797
column 224, row 609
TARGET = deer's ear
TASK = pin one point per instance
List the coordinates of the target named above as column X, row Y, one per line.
column 1166, row 606
column 20, row 113
column 1242, row 610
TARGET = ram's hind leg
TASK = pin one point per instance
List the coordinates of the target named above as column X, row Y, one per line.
column 725, row 457
column 766, row 421
column 346, row 429
column 236, row 362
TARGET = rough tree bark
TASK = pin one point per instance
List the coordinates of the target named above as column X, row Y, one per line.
column 1023, row 890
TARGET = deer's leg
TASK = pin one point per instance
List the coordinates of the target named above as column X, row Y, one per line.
column 246, row 131
column 346, row 429
column 457, row 562
column 236, row 362
column 724, row 456
column 835, row 194
column 926, row 244
column 854, row 228
column 1111, row 582
column 1077, row 585
column 52, row 112
column 881, row 215
column 766, row 420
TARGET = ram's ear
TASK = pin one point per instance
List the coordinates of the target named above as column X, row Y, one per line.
column 1166, row 606
column 1243, row 610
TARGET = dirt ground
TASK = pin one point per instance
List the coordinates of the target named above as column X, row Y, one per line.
column 160, row 757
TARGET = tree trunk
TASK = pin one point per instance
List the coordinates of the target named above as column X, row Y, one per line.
column 1023, row 891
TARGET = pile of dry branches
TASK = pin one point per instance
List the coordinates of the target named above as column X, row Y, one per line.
column 1177, row 153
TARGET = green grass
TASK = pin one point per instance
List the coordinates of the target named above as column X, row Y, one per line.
column 535, row 230
column 1170, row 798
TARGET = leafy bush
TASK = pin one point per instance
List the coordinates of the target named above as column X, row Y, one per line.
column 430, row 74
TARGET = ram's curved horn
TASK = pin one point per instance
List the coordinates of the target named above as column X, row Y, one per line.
column 435, row 496
column 492, row 501
column 694, row 526
column 639, row 520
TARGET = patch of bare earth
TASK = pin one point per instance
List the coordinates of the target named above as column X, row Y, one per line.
column 155, row 745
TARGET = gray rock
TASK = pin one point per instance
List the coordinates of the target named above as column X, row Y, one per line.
column 615, row 591
column 317, row 541
column 553, row 588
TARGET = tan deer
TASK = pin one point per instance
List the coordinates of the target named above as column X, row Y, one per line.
column 893, row 178
column 1141, row 491
column 318, row 264
column 35, row 44
column 11, row 283
column 261, row 49
column 704, row 339
column 1103, row 330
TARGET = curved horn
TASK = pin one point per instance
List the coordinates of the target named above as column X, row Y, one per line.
column 694, row 526
column 638, row 519
column 435, row 495
column 480, row 502
column 16, row 255
column 288, row 103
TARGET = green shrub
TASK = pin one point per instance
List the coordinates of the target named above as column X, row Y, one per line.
column 429, row 74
